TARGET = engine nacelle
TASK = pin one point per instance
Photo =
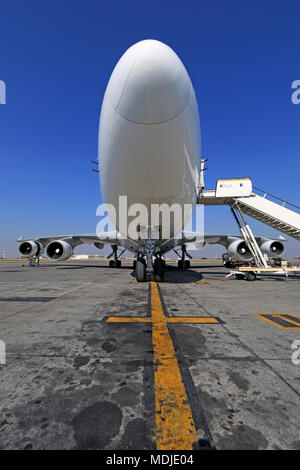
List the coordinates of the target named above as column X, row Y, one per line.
column 99, row 245
column 31, row 249
column 59, row 250
column 239, row 250
column 272, row 248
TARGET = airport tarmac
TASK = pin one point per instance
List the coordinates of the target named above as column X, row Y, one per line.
column 95, row 360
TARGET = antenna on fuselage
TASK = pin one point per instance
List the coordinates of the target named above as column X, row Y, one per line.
column 95, row 162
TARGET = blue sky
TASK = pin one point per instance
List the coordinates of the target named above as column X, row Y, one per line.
column 56, row 58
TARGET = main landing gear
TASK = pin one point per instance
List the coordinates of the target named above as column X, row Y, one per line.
column 183, row 263
column 115, row 263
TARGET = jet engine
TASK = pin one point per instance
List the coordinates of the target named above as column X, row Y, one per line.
column 239, row 250
column 272, row 248
column 31, row 249
column 59, row 250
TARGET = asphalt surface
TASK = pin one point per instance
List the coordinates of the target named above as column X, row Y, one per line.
column 73, row 380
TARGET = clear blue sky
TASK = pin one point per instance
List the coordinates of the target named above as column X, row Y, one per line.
column 56, row 58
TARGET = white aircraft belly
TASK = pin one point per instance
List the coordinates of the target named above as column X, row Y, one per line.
column 149, row 133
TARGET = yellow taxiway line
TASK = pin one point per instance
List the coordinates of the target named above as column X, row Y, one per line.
column 175, row 427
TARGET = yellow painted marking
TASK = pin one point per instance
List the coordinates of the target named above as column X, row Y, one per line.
column 129, row 320
column 168, row 320
column 289, row 319
column 203, row 283
column 278, row 315
column 297, row 326
column 191, row 320
column 175, row 427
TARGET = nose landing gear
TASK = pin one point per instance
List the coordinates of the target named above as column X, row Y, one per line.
column 157, row 274
column 159, row 269
column 140, row 269
column 147, row 269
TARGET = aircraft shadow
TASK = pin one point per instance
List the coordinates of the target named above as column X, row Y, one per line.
column 174, row 276
column 98, row 266
column 182, row 277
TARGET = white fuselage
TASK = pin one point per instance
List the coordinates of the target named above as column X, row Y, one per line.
column 149, row 133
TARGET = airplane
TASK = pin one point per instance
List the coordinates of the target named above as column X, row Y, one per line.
column 149, row 150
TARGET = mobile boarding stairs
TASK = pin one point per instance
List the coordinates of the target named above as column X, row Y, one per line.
column 242, row 198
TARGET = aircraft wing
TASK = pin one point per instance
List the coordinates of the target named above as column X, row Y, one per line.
column 109, row 238
column 199, row 239
column 65, row 244
column 61, row 247
column 226, row 240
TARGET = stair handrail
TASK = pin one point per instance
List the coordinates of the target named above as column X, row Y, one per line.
column 265, row 193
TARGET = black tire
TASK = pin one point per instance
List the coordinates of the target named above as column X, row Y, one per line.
column 229, row 265
column 159, row 270
column 239, row 276
column 134, row 264
column 114, row 264
column 140, row 270
column 180, row 264
column 250, row 276
column 186, row 264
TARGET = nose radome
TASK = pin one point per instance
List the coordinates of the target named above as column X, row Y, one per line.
column 149, row 84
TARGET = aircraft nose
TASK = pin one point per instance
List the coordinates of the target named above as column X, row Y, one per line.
column 150, row 84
